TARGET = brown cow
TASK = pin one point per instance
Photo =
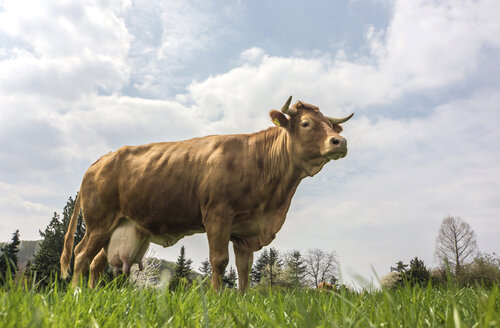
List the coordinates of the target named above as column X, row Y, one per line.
column 233, row 187
column 325, row 286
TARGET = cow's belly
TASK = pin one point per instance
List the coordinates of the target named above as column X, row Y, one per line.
column 256, row 230
column 170, row 239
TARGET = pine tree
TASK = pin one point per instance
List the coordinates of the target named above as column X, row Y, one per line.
column 182, row 270
column 273, row 266
column 268, row 267
column 229, row 280
column 8, row 257
column 400, row 267
column 258, row 267
column 183, row 265
column 296, row 269
column 205, row 269
column 418, row 273
column 46, row 261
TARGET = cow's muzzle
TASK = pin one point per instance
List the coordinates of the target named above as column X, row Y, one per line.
column 336, row 148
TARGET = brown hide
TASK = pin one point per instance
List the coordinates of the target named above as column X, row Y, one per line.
column 325, row 285
column 234, row 187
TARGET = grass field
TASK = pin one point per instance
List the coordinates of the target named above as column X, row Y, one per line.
column 114, row 306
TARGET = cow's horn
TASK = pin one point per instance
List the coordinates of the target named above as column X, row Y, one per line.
column 339, row 120
column 286, row 108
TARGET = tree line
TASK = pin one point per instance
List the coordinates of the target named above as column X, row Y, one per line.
column 456, row 252
column 459, row 261
column 290, row 269
column 271, row 268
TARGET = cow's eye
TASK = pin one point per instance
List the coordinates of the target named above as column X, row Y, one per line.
column 305, row 124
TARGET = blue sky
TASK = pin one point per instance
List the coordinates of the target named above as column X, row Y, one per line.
column 82, row 78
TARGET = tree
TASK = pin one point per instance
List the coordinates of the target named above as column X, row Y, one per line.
column 418, row 273
column 391, row 280
column 273, row 266
column 205, row 269
column 483, row 270
column 400, row 267
column 8, row 257
column 182, row 270
column 46, row 261
column 321, row 266
column 229, row 280
column 258, row 267
column 455, row 243
column 267, row 268
column 295, row 269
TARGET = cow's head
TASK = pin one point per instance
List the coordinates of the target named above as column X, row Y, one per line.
column 315, row 138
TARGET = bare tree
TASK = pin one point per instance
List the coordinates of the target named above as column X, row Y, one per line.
column 320, row 266
column 455, row 243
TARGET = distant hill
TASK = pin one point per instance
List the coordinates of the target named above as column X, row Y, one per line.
column 27, row 250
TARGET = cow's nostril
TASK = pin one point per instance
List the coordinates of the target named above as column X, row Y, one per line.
column 335, row 141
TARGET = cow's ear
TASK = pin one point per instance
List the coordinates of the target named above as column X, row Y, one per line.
column 279, row 119
column 337, row 128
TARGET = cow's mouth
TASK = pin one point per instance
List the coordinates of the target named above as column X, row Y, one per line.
column 335, row 156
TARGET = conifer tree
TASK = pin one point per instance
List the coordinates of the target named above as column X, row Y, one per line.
column 258, row 267
column 296, row 269
column 273, row 266
column 182, row 270
column 205, row 269
column 418, row 273
column 46, row 261
column 229, row 280
column 267, row 267
column 8, row 257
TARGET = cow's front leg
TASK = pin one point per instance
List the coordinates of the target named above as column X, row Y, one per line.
column 244, row 261
column 218, row 227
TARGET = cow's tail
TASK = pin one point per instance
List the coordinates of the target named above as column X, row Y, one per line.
column 69, row 239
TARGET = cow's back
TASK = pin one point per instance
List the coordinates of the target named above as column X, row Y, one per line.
column 160, row 186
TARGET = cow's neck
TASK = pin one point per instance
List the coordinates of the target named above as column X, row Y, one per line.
column 280, row 174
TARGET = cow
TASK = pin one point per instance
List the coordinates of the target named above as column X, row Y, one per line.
column 325, row 286
column 127, row 246
column 234, row 188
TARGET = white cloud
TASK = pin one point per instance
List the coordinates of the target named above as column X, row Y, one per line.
column 167, row 35
column 20, row 213
column 64, row 50
column 428, row 45
column 434, row 43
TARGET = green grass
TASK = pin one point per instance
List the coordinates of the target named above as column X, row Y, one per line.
column 113, row 306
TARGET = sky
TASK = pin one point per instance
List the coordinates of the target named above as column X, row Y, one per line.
column 81, row 78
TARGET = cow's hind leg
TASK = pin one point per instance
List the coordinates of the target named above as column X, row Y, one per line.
column 97, row 268
column 81, row 245
column 244, row 261
column 96, row 241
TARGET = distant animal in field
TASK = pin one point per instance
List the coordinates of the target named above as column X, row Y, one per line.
column 325, row 286
column 234, row 188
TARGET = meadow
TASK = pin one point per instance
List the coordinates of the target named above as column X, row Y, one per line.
column 118, row 306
